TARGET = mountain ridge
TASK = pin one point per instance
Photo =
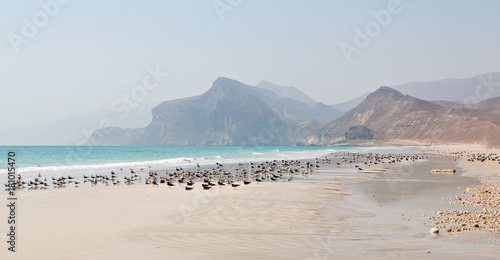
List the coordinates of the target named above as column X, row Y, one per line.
column 228, row 113
column 286, row 92
column 392, row 116
column 233, row 113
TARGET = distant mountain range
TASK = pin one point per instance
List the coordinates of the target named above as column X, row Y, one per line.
column 468, row 90
column 229, row 113
column 348, row 105
column 388, row 115
column 457, row 91
column 490, row 105
column 232, row 113
column 286, row 92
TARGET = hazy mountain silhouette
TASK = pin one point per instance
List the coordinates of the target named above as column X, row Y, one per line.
column 468, row 90
column 348, row 105
column 462, row 91
column 391, row 116
column 229, row 113
column 286, row 92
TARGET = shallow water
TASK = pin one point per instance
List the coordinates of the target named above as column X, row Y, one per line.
column 390, row 207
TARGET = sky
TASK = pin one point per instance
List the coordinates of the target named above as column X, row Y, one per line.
column 58, row 58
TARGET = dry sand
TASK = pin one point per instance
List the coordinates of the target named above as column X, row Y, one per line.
column 266, row 221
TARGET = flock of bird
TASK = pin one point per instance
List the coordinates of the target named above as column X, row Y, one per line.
column 482, row 157
column 233, row 176
column 478, row 157
column 283, row 170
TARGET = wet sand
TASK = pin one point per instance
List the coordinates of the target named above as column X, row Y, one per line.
column 335, row 213
column 386, row 216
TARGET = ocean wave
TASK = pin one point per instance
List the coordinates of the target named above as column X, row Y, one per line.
column 106, row 165
column 58, row 170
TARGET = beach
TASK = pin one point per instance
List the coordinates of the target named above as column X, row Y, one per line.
column 268, row 221
column 335, row 213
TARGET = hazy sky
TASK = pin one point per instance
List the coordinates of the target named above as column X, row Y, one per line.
column 83, row 55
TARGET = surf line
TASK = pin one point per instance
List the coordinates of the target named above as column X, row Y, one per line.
column 11, row 201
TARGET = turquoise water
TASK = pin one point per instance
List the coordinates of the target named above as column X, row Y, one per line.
column 29, row 156
column 54, row 160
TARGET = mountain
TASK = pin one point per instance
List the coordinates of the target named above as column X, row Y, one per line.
column 286, row 92
column 390, row 116
column 491, row 105
column 232, row 113
column 306, row 128
column 229, row 113
column 448, row 104
column 463, row 91
column 296, row 110
column 468, row 91
column 348, row 105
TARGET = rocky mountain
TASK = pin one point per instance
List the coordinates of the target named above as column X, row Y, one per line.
column 455, row 91
column 229, row 113
column 304, row 129
column 468, row 91
column 293, row 104
column 358, row 132
column 232, row 113
column 295, row 110
column 390, row 116
column 348, row 105
column 286, row 92
column 491, row 105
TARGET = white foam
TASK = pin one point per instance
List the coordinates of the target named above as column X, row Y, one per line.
column 63, row 170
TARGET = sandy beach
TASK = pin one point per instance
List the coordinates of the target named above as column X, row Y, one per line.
column 374, row 215
column 267, row 221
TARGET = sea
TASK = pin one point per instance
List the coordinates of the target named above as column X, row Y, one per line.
column 53, row 161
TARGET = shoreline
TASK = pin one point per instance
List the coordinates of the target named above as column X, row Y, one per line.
column 484, row 198
column 271, row 220
column 124, row 170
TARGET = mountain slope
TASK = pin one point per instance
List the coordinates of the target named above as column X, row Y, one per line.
column 229, row 113
column 296, row 110
column 286, row 92
column 390, row 116
column 348, row 105
column 468, row 90
column 491, row 105
column 463, row 91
